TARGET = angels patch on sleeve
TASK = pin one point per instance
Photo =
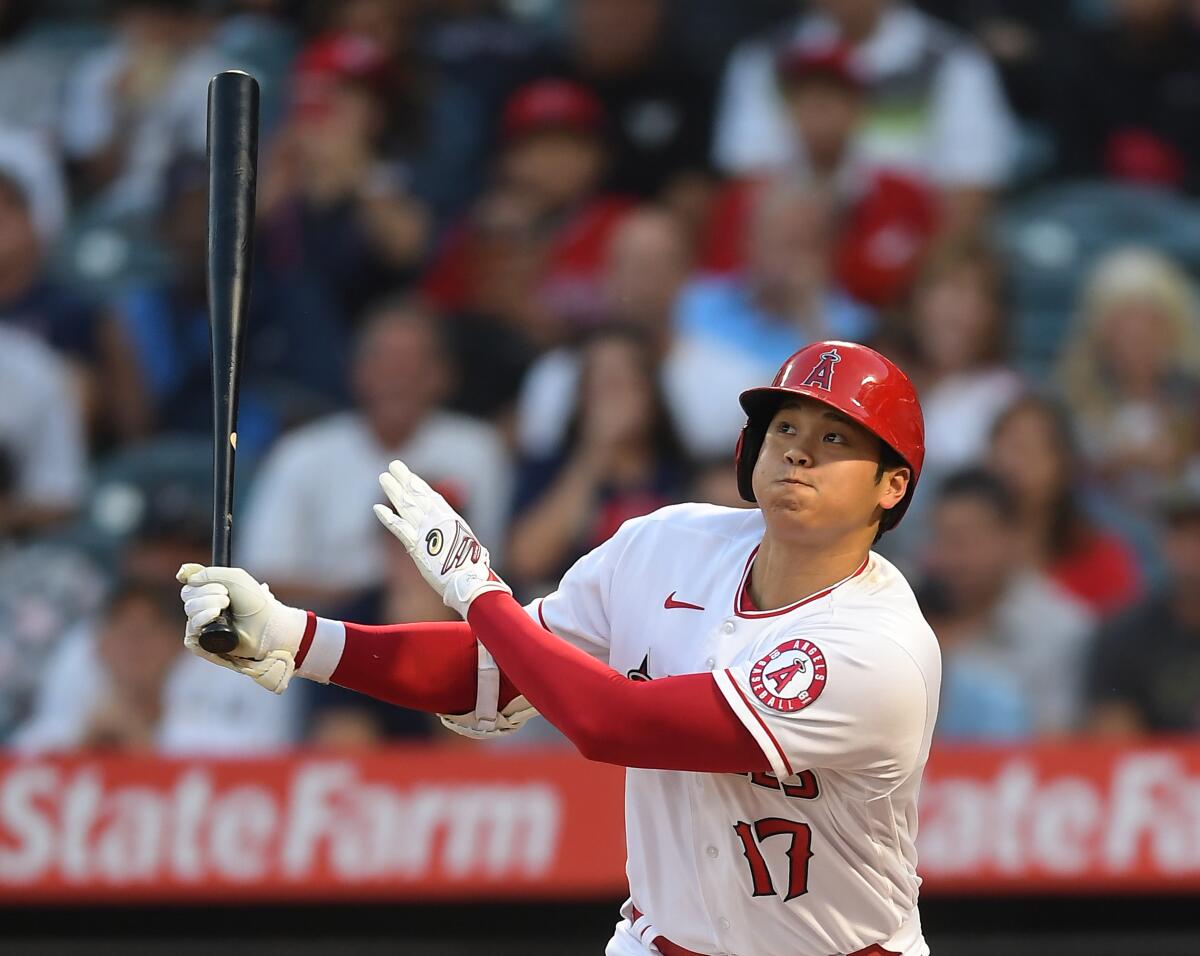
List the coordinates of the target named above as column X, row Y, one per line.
column 790, row 677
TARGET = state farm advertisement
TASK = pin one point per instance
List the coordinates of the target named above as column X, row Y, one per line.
column 462, row 823
column 399, row 824
column 1073, row 817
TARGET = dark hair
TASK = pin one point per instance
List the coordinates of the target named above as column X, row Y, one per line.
column 408, row 309
column 1068, row 523
column 889, row 458
column 946, row 259
column 664, row 439
column 980, row 485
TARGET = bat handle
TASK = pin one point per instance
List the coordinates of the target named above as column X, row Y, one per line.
column 219, row 637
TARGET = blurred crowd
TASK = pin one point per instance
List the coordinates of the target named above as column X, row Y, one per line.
column 536, row 248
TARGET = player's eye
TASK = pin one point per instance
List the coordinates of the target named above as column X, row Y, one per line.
column 836, row 438
column 785, row 428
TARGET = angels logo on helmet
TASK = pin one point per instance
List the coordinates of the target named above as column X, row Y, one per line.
column 821, row 375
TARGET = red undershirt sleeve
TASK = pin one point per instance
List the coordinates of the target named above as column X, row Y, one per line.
column 428, row 666
column 671, row 723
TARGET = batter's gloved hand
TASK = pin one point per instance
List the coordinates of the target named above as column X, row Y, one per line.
column 443, row 547
column 268, row 631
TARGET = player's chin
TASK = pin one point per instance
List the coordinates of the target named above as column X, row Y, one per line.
column 789, row 497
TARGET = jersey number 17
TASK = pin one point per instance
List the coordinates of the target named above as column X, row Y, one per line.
column 799, row 853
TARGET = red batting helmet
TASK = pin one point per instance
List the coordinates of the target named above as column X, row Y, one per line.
column 857, row 381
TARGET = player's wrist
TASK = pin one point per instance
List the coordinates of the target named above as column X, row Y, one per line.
column 465, row 588
column 285, row 629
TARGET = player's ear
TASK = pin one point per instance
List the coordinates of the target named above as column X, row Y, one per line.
column 894, row 486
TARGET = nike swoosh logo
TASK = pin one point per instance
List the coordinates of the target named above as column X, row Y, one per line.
column 670, row 602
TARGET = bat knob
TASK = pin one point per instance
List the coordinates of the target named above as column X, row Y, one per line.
column 218, row 637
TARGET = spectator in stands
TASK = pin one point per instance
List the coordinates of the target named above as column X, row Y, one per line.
column 647, row 262
column 119, row 679
column 1131, row 373
column 32, row 210
column 500, row 319
column 126, row 684
column 42, row 446
column 996, row 613
column 658, row 106
column 620, row 458
column 1128, row 102
column 402, row 373
column 136, row 646
column 885, row 218
column 148, row 509
column 478, row 50
column 979, row 701
column 339, row 228
column 47, row 587
column 1033, row 449
column 167, row 323
column 784, row 297
column 1144, row 675
column 715, row 483
column 553, row 157
column 299, row 359
column 1025, row 38
column 957, row 355
column 936, row 106
column 132, row 107
column 343, row 719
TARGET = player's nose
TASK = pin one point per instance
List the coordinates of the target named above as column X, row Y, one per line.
column 797, row 454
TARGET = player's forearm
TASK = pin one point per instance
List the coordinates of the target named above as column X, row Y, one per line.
column 674, row 723
column 425, row 666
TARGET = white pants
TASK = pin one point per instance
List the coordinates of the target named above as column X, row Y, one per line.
column 634, row 939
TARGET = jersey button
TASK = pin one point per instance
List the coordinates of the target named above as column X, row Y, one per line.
column 728, row 627
column 710, row 663
column 723, row 923
column 713, row 852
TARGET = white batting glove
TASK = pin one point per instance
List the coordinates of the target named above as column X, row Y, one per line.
column 268, row 631
column 442, row 546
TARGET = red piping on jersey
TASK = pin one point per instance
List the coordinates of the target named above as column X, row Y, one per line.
column 762, row 723
column 738, row 603
column 541, row 616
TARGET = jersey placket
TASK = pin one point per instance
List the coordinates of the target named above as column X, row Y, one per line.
column 726, row 644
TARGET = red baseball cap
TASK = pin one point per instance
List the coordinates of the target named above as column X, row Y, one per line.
column 829, row 61
column 551, row 104
column 338, row 58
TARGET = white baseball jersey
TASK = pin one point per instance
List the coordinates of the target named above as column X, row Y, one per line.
column 840, row 690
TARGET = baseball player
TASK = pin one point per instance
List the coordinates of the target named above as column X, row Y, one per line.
column 767, row 679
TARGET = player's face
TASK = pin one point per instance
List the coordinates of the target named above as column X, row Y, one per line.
column 817, row 471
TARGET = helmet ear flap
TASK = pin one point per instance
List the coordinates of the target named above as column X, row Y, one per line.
column 745, row 455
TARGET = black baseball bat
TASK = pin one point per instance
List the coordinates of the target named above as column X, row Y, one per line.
column 232, row 175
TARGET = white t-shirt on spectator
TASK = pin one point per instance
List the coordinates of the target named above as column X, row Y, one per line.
column 174, row 122
column 1040, row 635
column 959, row 414
column 40, row 422
column 701, row 380
column 961, row 134
column 309, row 516
column 206, row 709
